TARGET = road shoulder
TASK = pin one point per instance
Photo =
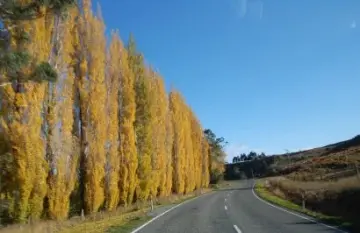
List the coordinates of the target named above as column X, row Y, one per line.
column 261, row 193
column 162, row 210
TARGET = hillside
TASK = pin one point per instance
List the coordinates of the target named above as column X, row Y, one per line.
column 327, row 162
column 324, row 162
column 325, row 179
column 352, row 144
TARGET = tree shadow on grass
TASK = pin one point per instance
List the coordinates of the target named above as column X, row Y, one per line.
column 128, row 226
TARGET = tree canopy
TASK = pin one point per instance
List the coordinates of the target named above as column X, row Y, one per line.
column 87, row 126
column 216, row 155
column 13, row 58
column 248, row 157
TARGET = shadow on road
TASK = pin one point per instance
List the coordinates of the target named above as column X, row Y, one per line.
column 324, row 229
column 234, row 189
column 303, row 222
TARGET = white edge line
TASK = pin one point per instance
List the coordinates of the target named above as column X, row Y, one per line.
column 298, row 215
column 237, row 229
column 165, row 212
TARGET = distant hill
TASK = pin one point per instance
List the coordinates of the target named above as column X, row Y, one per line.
column 355, row 141
column 329, row 161
column 328, row 149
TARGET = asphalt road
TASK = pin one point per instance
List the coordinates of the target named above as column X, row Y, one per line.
column 234, row 210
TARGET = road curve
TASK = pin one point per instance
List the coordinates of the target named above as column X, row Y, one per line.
column 235, row 210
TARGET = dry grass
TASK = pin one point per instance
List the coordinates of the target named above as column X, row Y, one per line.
column 99, row 222
column 339, row 198
column 327, row 179
column 274, row 198
column 94, row 223
column 318, row 186
column 318, row 162
column 329, row 167
column 315, row 191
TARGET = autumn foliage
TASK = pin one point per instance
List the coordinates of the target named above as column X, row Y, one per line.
column 105, row 134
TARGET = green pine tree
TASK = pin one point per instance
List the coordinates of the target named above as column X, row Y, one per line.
column 14, row 58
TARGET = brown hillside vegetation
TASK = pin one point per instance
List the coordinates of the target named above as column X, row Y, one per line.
column 328, row 162
column 327, row 178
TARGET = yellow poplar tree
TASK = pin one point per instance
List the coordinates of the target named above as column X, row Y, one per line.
column 14, row 130
column 39, row 48
column 189, row 168
column 179, row 144
column 159, row 135
column 152, row 96
column 142, row 123
column 94, row 189
column 169, row 149
column 151, row 107
column 90, row 71
column 197, row 148
column 64, row 156
column 113, row 162
column 81, row 96
column 127, row 149
column 107, row 109
column 22, row 124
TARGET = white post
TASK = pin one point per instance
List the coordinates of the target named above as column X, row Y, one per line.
column 82, row 215
column 151, row 202
column 303, row 200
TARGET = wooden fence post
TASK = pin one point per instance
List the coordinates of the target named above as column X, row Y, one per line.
column 303, row 200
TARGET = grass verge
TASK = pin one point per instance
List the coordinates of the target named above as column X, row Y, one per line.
column 115, row 224
column 141, row 219
column 128, row 227
column 121, row 220
column 125, row 223
column 264, row 193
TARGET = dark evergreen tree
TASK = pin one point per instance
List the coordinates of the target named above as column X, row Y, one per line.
column 14, row 58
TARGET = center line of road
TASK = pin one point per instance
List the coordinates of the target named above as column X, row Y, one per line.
column 225, row 199
column 225, row 207
column 237, row 229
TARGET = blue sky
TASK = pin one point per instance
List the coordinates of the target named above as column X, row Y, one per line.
column 266, row 75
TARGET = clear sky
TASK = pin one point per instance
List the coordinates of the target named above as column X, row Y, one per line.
column 266, row 75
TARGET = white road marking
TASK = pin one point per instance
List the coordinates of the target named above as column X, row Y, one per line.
column 158, row 216
column 298, row 215
column 225, row 199
column 237, row 229
column 225, row 207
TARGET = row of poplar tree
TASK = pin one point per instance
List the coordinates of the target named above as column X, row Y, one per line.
column 105, row 134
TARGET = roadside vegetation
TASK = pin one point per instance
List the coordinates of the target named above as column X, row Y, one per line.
column 273, row 198
column 121, row 220
column 322, row 182
column 332, row 203
column 87, row 127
